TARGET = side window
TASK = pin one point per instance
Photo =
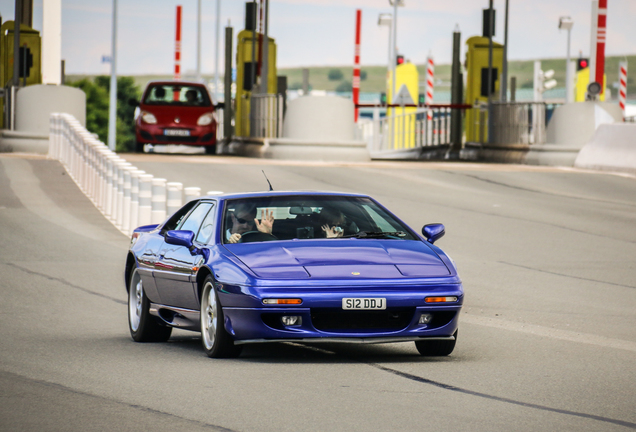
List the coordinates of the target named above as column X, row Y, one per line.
column 178, row 217
column 194, row 219
column 207, row 228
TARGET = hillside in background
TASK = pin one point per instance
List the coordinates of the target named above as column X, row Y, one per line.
column 374, row 77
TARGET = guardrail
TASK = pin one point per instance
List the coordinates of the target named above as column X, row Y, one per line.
column 128, row 197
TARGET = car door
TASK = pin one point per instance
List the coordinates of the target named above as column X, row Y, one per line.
column 175, row 267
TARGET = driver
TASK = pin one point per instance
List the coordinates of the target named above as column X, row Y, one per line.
column 244, row 220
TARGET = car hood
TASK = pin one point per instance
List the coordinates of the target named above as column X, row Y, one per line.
column 337, row 259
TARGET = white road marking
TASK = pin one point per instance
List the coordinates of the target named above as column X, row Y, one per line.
column 541, row 331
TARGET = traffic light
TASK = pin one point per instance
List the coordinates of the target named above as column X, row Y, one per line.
column 399, row 59
column 582, row 63
column 383, row 98
column 421, row 98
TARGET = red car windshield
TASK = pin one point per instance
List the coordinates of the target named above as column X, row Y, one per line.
column 182, row 95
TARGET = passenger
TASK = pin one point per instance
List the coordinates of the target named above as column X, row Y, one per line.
column 160, row 93
column 244, row 220
column 191, row 97
column 333, row 222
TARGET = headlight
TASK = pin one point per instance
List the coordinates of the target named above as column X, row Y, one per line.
column 149, row 118
column 206, row 119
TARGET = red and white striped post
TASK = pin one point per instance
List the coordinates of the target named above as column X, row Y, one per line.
column 622, row 85
column 356, row 66
column 177, row 47
column 430, row 83
column 600, row 42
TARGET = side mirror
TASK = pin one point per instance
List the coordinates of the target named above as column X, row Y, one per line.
column 180, row 238
column 433, row 232
column 220, row 105
column 133, row 102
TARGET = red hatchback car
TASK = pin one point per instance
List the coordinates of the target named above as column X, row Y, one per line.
column 176, row 112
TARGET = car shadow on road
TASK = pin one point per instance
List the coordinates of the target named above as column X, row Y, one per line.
column 342, row 353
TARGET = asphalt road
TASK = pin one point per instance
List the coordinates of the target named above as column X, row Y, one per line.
column 547, row 337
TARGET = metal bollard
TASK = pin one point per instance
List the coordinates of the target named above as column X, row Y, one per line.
column 134, row 199
column 145, row 199
column 158, row 200
column 191, row 193
column 174, row 197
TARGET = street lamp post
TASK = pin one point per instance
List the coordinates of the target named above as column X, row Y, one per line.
column 386, row 19
column 112, row 108
column 566, row 23
column 395, row 4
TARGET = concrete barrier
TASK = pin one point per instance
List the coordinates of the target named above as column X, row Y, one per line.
column 174, row 197
column 612, row 148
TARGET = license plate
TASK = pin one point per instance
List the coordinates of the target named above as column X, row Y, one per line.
column 364, row 303
column 176, row 132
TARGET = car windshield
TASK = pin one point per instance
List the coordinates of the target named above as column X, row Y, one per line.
column 176, row 94
column 309, row 217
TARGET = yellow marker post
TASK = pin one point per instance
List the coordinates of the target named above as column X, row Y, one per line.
column 582, row 81
column 403, row 118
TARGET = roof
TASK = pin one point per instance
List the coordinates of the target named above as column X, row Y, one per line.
column 280, row 194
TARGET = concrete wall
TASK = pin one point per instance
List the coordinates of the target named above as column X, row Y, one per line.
column 319, row 119
column 574, row 124
column 612, row 148
column 34, row 105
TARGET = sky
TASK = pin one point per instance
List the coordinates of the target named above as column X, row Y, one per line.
column 321, row 32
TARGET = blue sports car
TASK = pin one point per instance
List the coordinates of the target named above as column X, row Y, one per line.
column 292, row 266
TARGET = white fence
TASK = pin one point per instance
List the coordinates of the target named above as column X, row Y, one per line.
column 423, row 127
column 127, row 196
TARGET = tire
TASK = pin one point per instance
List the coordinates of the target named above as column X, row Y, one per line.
column 211, row 149
column 139, row 147
column 217, row 342
column 436, row 348
column 143, row 326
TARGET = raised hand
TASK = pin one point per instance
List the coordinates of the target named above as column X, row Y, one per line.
column 266, row 224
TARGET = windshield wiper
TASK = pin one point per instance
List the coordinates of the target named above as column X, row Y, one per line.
column 376, row 234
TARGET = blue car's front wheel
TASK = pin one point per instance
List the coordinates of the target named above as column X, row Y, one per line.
column 217, row 343
column 436, row 348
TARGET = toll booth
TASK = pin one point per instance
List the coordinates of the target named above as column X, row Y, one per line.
column 30, row 56
column 402, row 120
column 245, row 67
column 582, row 81
column 477, row 84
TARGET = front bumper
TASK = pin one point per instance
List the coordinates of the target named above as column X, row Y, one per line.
column 264, row 325
column 154, row 134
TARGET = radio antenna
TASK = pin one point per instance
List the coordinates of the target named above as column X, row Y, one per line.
column 270, row 185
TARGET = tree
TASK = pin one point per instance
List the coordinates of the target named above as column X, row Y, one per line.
column 344, row 87
column 363, row 75
column 335, row 75
column 97, row 101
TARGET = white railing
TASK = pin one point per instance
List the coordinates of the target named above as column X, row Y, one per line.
column 518, row 123
column 423, row 127
column 265, row 115
column 126, row 196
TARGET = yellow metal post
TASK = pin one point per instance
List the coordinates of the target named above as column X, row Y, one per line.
column 243, row 88
column 476, row 83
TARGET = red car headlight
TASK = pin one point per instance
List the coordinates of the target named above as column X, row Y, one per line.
column 206, row 119
column 148, row 117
